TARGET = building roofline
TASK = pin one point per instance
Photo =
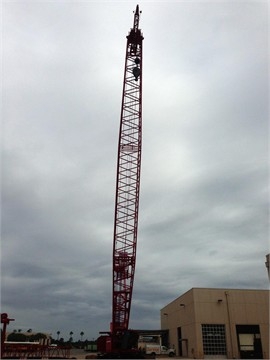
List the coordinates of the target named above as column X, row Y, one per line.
column 217, row 289
column 238, row 289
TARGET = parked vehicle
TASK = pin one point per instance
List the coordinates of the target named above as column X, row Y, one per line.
column 152, row 345
column 159, row 350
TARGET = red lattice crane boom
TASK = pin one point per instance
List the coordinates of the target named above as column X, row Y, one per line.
column 127, row 190
column 128, row 181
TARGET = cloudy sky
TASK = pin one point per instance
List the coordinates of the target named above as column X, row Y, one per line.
column 203, row 218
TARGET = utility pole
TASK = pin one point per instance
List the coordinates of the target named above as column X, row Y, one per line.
column 267, row 264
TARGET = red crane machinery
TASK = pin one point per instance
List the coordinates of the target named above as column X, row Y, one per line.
column 127, row 196
column 5, row 321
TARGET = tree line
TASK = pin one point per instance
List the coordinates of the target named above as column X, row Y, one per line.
column 19, row 336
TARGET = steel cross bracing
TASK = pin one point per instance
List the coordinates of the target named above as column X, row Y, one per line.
column 128, row 181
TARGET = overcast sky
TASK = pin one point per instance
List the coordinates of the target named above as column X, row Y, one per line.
column 203, row 219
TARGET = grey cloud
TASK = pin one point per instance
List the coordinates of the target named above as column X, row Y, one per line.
column 203, row 205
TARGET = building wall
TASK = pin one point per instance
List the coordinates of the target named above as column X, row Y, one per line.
column 229, row 307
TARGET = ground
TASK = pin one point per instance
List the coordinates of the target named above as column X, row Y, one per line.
column 81, row 354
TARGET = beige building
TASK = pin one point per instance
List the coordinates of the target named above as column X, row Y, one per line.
column 219, row 323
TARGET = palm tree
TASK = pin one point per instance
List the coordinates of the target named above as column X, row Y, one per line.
column 70, row 339
column 58, row 333
column 81, row 333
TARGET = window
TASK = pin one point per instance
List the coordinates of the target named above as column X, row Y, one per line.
column 214, row 339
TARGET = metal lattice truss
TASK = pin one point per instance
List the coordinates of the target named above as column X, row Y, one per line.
column 128, row 184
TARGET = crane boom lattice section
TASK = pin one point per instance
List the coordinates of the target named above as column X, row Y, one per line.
column 128, row 181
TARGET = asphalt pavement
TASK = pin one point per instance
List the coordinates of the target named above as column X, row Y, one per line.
column 81, row 354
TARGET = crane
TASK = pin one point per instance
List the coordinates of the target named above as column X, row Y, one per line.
column 127, row 194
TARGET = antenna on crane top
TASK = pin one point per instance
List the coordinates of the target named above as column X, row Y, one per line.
column 136, row 18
